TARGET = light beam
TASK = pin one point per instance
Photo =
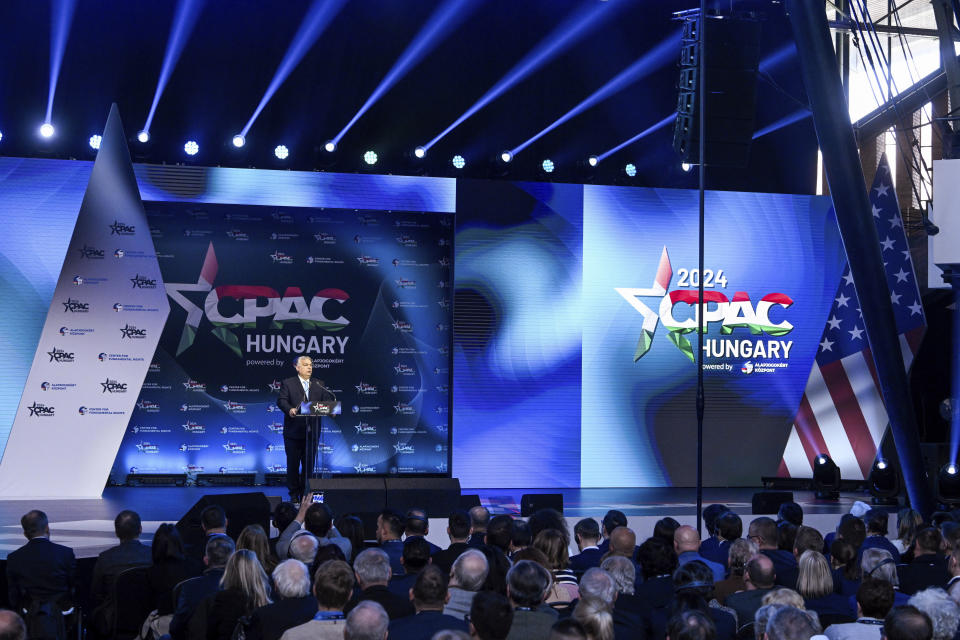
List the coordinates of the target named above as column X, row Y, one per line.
column 643, row 134
column 59, row 32
column 796, row 116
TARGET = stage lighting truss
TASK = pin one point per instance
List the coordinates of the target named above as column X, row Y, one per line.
column 884, row 482
column 826, row 478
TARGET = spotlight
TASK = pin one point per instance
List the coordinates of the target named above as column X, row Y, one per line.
column 191, row 147
column 826, row 478
column 593, row 161
column 46, row 130
column 458, row 162
column 1, row 135
column 143, row 136
column 420, row 152
column 631, row 170
column 239, row 140
column 506, row 157
column 884, row 483
column 95, row 141
column 281, row 152
column 547, row 165
column 370, row 157
column 948, row 484
column 686, row 166
column 330, row 146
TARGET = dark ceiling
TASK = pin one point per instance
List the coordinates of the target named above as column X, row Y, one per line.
column 116, row 47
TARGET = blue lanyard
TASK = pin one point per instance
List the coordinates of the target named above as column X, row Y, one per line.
column 328, row 615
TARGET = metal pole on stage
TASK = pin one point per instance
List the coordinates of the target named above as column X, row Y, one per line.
column 831, row 119
column 702, row 126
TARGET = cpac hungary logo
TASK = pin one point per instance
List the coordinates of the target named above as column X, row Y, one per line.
column 91, row 253
column 230, row 308
column 121, row 229
column 739, row 313
column 142, row 282
column 40, row 410
column 113, row 386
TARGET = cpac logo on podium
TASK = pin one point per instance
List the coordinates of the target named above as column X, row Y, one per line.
column 739, row 313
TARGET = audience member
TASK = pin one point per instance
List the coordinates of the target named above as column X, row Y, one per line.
column 759, row 579
column 479, row 519
column 786, row 534
column 213, row 522
column 12, row 626
column 389, row 531
column 490, row 616
column 126, row 555
column 691, row 625
column 876, row 564
column 686, row 542
column 729, row 529
column 467, row 577
column 664, row 529
column 332, row 586
column 254, row 538
column 40, row 571
column 943, row 612
column 500, row 533
column 790, row 512
column 551, row 543
column 351, row 528
column 763, row 531
column 928, row 567
column 304, row 548
column 710, row 547
column 657, row 561
column 876, row 523
column 953, row 566
column 909, row 522
column 805, row 539
column 316, row 519
column 567, row 629
column 193, row 591
column 458, row 530
column 416, row 555
column 907, row 623
column 693, row 584
column 611, row 521
column 293, row 603
column 520, row 538
column 852, row 530
column 372, row 569
column 243, row 589
column 741, row 550
column 815, row 584
column 626, row 605
column 168, row 569
column 874, row 601
column 283, row 514
column 429, row 594
column 367, row 621
column 417, row 525
column 789, row 623
column 499, row 565
column 846, row 568
column 549, row 519
column 597, row 609
column 527, row 582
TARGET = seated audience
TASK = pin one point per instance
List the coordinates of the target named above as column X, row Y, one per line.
column 499, row 565
column 243, row 588
column 786, row 533
column 254, row 538
column 790, row 512
column 953, row 566
column 416, row 555
column 213, row 522
column 126, row 555
column 304, row 548
column 657, row 561
column 611, row 521
column 40, row 571
column 372, row 570
column 520, row 537
column 623, row 542
column 691, row 625
column 284, row 513
column 417, row 525
column 500, row 533
column 429, row 594
column 815, row 584
column 168, row 569
column 490, row 616
column 907, row 623
column 467, row 577
column 195, row 590
column 941, row 609
column 317, row 519
column 710, row 547
column 805, row 539
column 527, row 582
column 759, row 580
column 367, row 621
column 458, row 530
column 332, row 586
column 293, row 603
column 763, row 531
column 928, row 567
column 789, row 623
column 853, row 530
column 729, row 529
column 623, row 573
column 741, row 550
column 874, row 601
column 664, row 529
column 551, row 543
column 567, row 629
column 351, row 528
column 596, row 608
column 909, row 522
column 846, row 568
column 479, row 519
column 686, row 542
column 876, row 522
column 693, row 584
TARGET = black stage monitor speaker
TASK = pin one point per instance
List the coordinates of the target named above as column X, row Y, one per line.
column 351, row 495
column 242, row 509
column 767, row 502
column 469, row 501
column 438, row 496
column 530, row 503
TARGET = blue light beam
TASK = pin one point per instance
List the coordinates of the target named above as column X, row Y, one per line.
column 663, row 53
column 786, row 121
column 643, row 134
column 778, row 57
column 184, row 20
column 59, row 32
column 318, row 17
column 569, row 32
column 443, row 21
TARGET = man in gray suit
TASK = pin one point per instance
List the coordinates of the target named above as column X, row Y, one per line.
column 527, row 585
column 333, row 586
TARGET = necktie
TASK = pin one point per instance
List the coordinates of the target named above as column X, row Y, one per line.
column 306, row 389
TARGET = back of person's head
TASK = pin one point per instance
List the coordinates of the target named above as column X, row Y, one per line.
column 929, row 540
column 623, row 542
column 876, row 521
column 691, row 625
column 392, row 523
column 623, row 572
column 327, row 552
column 35, row 524
column 351, row 528
column 416, row 523
column 694, row 577
column 127, row 525
column 527, row 583
column 844, row 557
column 167, row 546
column 291, row 579
column 213, row 517
column 596, row 617
column 907, row 623
column 612, row 520
column 533, row 555
column 500, row 532
column 479, row 518
column 878, row 564
column 741, row 550
column 499, row 564
column 761, row 571
column 943, row 612
column 12, row 626
column 430, row 588
column 469, row 570
column 372, row 567
column 814, row 578
column 663, row 529
column 366, row 621
column 686, row 538
column 416, row 554
column 253, row 537
column 597, row 584
column 909, row 521
column 218, row 551
column 245, row 574
column 712, row 513
column 491, row 615
column 784, row 596
column 790, row 623
column 853, row 530
column 304, row 548
column 807, row 539
column 459, row 524
column 553, row 545
column 729, row 526
column 951, row 535
column 786, row 535
column 586, row 530
column 318, row 519
column 283, row 514
column 333, row 584
column 521, row 535
column 764, row 531
column 548, row 519
column 656, row 557
column 875, row 598
column 791, row 512
column 567, row 629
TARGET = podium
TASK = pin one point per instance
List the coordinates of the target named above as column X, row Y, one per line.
column 313, row 411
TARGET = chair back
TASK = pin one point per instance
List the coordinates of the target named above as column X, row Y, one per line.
column 133, row 600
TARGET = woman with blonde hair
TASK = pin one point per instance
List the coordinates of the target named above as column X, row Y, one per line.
column 553, row 545
column 815, row 584
column 254, row 538
column 244, row 587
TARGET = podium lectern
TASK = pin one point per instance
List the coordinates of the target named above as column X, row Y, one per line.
column 312, row 411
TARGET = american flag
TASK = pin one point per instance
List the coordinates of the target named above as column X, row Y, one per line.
column 841, row 413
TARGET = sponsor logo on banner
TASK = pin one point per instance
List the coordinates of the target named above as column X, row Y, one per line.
column 234, row 407
column 358, row 239
column 272, row 408
column 364, row 448
column 245, row 217
column 400, row 262
column 443, row 284
column 441, row 468
column 99, row 411
column 113, row 386
column 147, row 447
column 132, row 332
column 184, row 447
column 276, row 427
column 404, row 409
column 193, row 385
column 444, row 261
column 282, row 217
column 193, row 468
column 363, row 468
column 324, row 238
column 440, row 370
column 40, row 410
column 365, row 429
column 197, row 233
column 404, row 283
column 124, row 357
column 364, row 408
column 440, row 409
column 118, row 253
column 60, row 356
column 747, row 367
column 75, row 331
column 406, row 241
column 412, row 431
column 80, row 280
column 91, row 253
column 75, row 306
column 444, row 303
column 404, row 304
column 237, row 429
column 148, row 406
column 154, row 366
column 284, row 236
column 122, row 229
column 443, row 242
column 402, row 326
column 406, row 351
column 442, row 327
column 148, row 429
column 368, row 220
column 187, row 407
column 155, row 386
column 443, row 350
column 365, row 389
column 401, row 388
column 143, row 282
column 277, row 468
column 402, row 369
column 276, row 448
column 368, row 261
column 238, row 388
column 279, row 257
column 442, row 388
column 133, row 308
column 193, row 427
column 402, row 448
column 57, row 386
column 240, row 236
column 322, row 260
column 275, row 385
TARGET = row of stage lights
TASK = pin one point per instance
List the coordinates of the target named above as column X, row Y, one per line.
column 281, row 152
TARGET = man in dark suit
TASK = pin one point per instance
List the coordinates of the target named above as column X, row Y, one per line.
column 372, row 570
column 293, row 392
column 611, row 521
column 458, row 530
column 429, row 594
column 128, row 554
column 213, row 522
column 40, row 570
column 293, row 603
column 527, row 583
column 759, row 578
column 417, row 525
column 929, row 568
column 586, row 534
column 193, row 591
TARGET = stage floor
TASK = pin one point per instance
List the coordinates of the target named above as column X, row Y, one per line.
column 87, row 525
